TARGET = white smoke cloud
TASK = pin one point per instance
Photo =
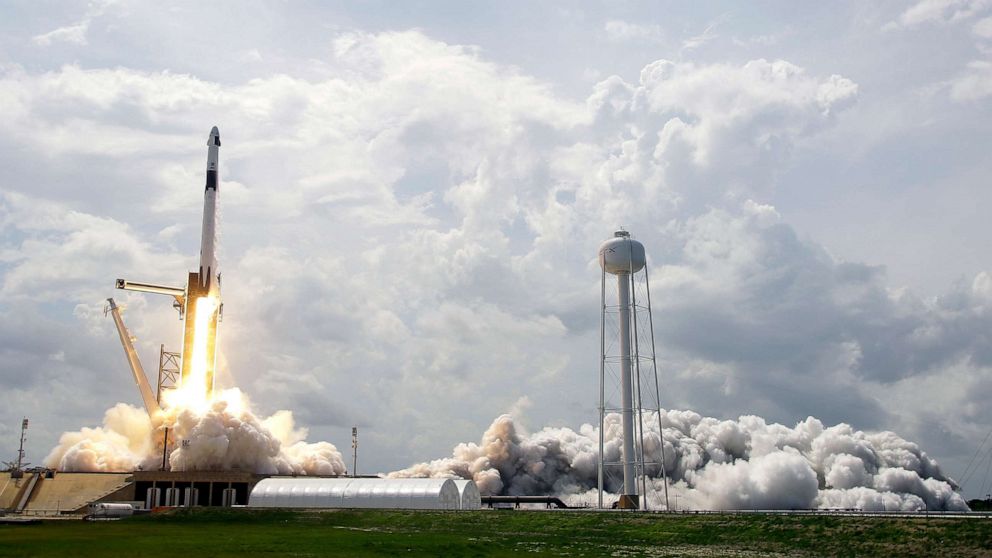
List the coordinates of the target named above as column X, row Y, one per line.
column 121, row 444
column 711, row 464
column 227, row 435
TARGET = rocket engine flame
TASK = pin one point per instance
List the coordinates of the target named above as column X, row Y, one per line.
column 194, row 391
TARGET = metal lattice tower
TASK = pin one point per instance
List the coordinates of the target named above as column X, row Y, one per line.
column 169, row 368
column 628, row 373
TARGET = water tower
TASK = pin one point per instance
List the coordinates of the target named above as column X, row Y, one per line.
column 628, row 372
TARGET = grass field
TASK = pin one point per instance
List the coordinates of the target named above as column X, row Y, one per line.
column 218, row 532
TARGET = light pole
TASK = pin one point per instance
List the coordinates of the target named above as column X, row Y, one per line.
column 354, row 451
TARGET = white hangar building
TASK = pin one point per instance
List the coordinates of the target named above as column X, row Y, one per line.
column 308, row 492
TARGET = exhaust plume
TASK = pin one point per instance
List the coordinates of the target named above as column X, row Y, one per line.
column 711, row 464
column 224, row 435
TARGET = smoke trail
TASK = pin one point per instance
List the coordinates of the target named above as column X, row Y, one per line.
column 226, row 435
column 712, row 464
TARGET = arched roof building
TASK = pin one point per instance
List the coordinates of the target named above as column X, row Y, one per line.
column 468, row 494
column 304, row 492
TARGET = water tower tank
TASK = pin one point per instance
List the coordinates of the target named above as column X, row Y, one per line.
column 621, row 254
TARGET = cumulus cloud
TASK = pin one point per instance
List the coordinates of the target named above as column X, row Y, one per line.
column 974, row 84
column 691, row 128
column 939, row 11
column 696, row 41
column 983, row 28
column 619, row 30
column 73, row 34
column 423, row 224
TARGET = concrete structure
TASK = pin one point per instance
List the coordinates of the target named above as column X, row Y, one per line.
column 194, row 488
column 52, row 493
column 9, row 488
column 60, row 493
column 303, row 492
column 468, row 495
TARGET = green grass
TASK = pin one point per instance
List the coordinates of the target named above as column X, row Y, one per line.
column 219, row 532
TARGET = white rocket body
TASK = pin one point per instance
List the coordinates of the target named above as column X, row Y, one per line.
column 209, row 277
column 202, row 287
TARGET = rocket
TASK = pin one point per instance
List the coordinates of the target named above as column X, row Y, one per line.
column 199, row 302
column 208, row 233
column 203, row 305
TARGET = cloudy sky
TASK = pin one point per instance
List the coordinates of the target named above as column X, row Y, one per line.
column 413, row 194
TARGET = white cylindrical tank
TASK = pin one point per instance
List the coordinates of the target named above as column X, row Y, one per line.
column 468, row 493
column 622, row 254
column 229, row 497
column 110, row 509
column 302, row 492
column 191, row 497
column 172, row 497
column 153, row 498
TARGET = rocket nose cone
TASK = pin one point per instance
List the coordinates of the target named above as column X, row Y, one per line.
column 214, row 138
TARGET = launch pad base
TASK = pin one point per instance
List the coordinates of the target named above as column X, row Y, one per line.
column 210, row 485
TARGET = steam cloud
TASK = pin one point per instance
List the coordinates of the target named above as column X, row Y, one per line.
column 712, row 464
column 227, row 435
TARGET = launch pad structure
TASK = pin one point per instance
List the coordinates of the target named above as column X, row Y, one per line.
column 169, row 371
column 46, row 493
column 198, row 304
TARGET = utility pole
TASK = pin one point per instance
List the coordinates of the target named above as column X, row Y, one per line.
column 354, row 451
column 165, row 450
column 24, row 437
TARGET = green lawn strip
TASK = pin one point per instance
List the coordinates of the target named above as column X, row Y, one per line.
column 240, row 532
column 120, row 539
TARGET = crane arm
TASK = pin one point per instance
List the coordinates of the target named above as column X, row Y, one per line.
column 177, row 293
column 151, row 405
